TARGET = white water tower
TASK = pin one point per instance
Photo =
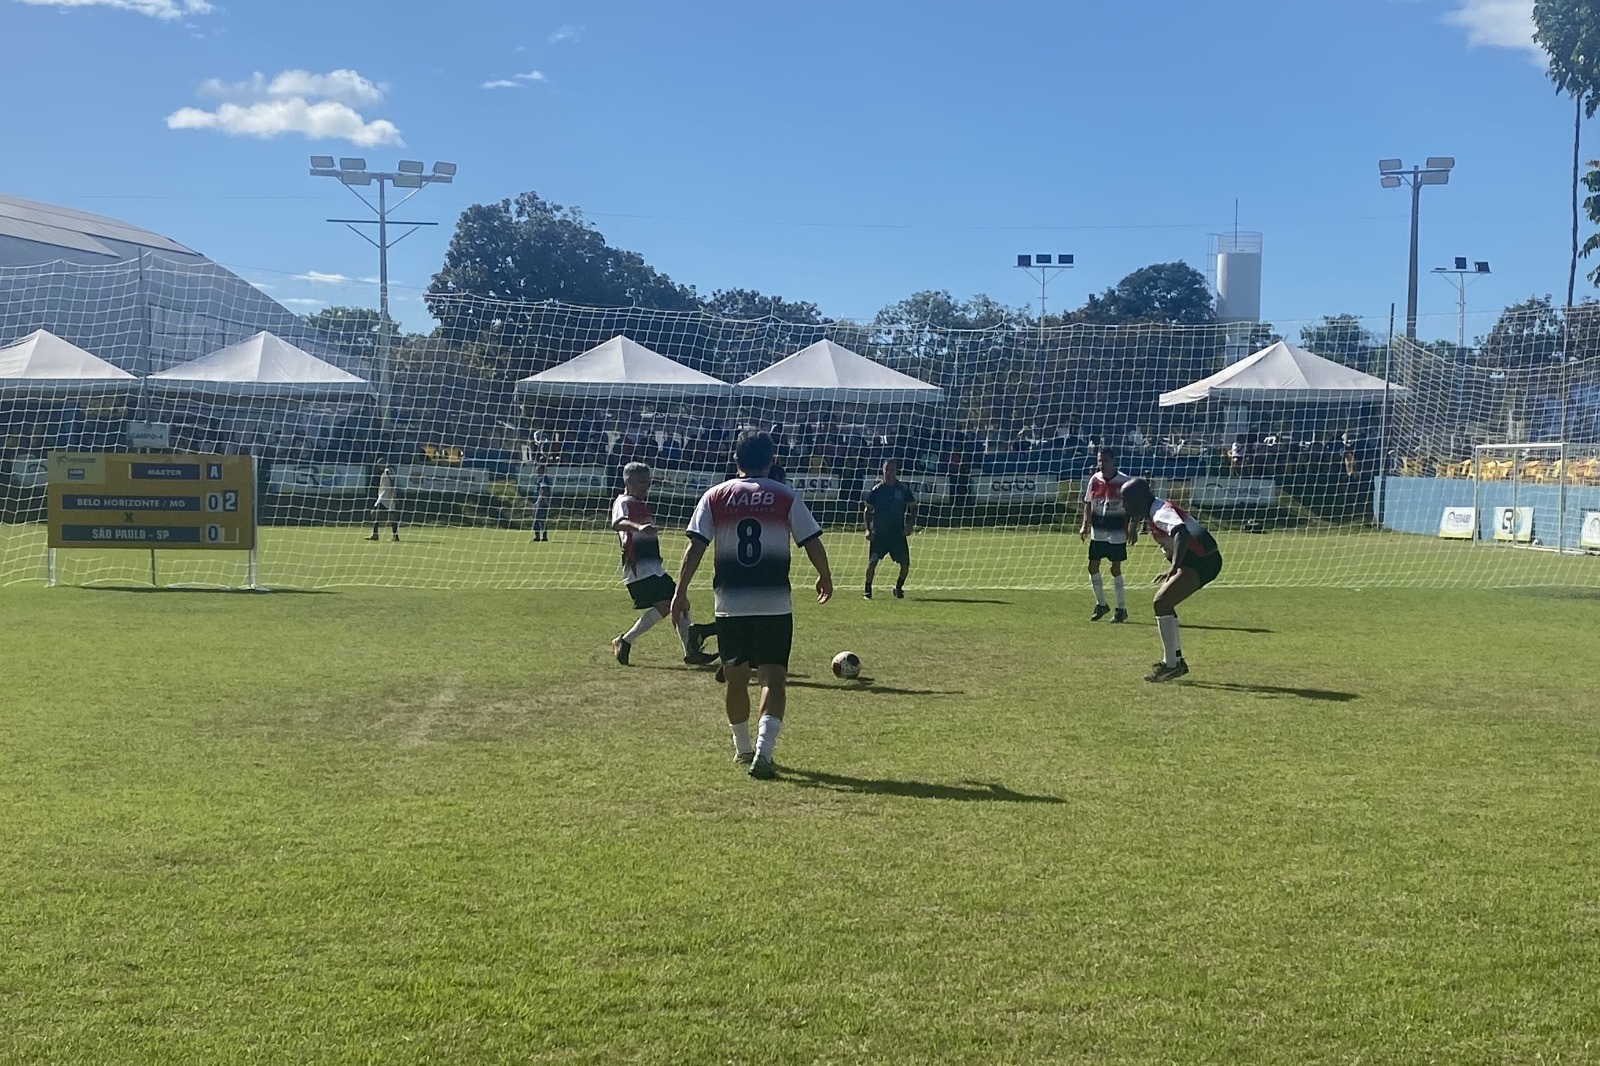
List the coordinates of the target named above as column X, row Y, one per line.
column 1235, row 260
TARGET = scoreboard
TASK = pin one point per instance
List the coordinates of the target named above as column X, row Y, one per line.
column 125, row 500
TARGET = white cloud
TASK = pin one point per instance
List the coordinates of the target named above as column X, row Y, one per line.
column 317, row 277
column 516, row 81
column 161, row 9
column 566, row 34
column 532, row 75
column 502, row 83
column 304, row 301
column 318, row 106
column 1497, row 24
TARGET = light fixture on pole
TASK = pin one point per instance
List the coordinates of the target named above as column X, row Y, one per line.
column 1048, row 267
column 1463, row 274
column 352, row 173
column 1391, row 175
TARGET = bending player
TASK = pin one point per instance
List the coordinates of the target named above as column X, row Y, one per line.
column 643, row 574
column 1195, row 564
column 1105, row 522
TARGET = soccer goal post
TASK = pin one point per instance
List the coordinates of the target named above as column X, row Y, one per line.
column 1523, row 494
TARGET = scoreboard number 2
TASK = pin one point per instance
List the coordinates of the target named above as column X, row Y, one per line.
column 225, row 501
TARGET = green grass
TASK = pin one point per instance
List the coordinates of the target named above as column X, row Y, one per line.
column 379, row 826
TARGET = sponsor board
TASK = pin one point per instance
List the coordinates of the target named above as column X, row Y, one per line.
column 441, row 479
column 1014, row 488
column 1458, row 523
column 1513, row 524
column 1589, row 535
column 317, row 477
column 566, row 480
column 1233, row 492
column 928, row 488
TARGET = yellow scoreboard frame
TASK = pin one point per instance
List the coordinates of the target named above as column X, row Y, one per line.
column 131, row 500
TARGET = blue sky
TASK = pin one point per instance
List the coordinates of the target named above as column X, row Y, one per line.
column 846, row 153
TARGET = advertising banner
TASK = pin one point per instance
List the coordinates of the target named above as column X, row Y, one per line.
column 1458, row 523
column 1513, row 524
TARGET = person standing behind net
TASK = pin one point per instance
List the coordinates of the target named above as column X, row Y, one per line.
column 1106, row 525
column 387, row 503
column 748, row 522
column 646, row 579
column 889, row 515
column 1195, row 559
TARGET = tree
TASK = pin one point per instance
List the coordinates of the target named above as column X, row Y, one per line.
column 1165, row 293
column 1569, row 33
column 1526, row 334
column 530, row 250
column 749, row 304
column 354, row 330
column 1341, row 338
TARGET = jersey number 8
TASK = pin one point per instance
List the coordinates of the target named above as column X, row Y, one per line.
column 749, row 550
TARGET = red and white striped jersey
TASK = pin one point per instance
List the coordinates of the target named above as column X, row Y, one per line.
column 641, row 552
column 1166, row 519
column 749, row 523
column 1108, row 518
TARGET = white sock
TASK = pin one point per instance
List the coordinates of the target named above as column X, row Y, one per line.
column 1099, row 584
column 741, row 736
column 1168, row 624
column 642, row 626
column 1122, row 596
column 767, row 736
column 684, row 635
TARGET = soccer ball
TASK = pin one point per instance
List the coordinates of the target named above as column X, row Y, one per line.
column 846, row 665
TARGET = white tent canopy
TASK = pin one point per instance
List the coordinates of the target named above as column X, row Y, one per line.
column 621, row 369
column 1282, row 373
column 265, row 366
column 43, row 363
column 827, row 371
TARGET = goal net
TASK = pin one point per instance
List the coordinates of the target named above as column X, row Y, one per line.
column 504, row 414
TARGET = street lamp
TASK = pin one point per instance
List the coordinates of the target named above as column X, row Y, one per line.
column 352, row 173
column 1048, row 267
column 1480, row 267
column 1392, row 175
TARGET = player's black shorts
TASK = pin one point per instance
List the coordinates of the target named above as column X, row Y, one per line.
column 1105, row 549
column 755, row 639
column 649, row 591
column 1206, row 567
column 889, row 546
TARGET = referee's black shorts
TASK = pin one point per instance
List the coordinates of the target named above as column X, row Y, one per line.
column 889, row 546
column 755, row 639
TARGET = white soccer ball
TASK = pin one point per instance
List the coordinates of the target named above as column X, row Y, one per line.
column 846, row 665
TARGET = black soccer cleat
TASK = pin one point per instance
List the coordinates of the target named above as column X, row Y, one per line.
column 866, row 593
column 1100, row 611
column 1163, row 672
column 762, row 769
column 899, row 593
column 744, row 758
column 1120, row 615
column 699, row 658
column 620, row 648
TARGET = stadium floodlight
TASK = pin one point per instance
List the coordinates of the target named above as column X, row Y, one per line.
column 408, row 175
column 1048, row 266
column 1393, row 175
column 1462, row 276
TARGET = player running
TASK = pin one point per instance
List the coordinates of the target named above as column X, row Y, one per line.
column 889, row 516
column 1195, row 564
column 643, row 574
column 1105, row 523
column 748, row 522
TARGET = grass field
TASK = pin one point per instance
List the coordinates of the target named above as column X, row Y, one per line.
column 386, row 826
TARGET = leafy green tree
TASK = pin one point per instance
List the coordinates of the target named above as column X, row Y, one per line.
column 1526, row 334
column 1166, row 293
column 1569, row 33
column 354, row 330
column 749, row 304
column 1341, row 338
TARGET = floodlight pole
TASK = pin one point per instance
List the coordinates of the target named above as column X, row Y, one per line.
column 353, row 172
column 1047, row 272
column 1462, row 274
column 1436, row 172
column 1411, row 273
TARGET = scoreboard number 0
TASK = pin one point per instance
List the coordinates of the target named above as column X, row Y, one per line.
column 213, row 534
column 227, row 500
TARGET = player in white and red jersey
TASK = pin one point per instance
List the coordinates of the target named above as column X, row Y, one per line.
column 748, row 523
column 1192, row 551
column 642, row 572
column 1105, row 523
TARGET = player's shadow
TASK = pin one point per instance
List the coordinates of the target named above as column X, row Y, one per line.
column 987, row 791
column 954, row 599
column 1326, row 695
column 867, row 685
column 1229, row 629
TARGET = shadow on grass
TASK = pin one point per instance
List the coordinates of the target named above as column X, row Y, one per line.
column 966, row 790
column 1229, row 629
column 215, row 589
column 867, row 684
column 1326, row 695
column 953, row 599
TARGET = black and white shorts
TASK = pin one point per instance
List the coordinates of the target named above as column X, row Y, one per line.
column 649, row 591
column 1206, row 567
column 755, row 639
